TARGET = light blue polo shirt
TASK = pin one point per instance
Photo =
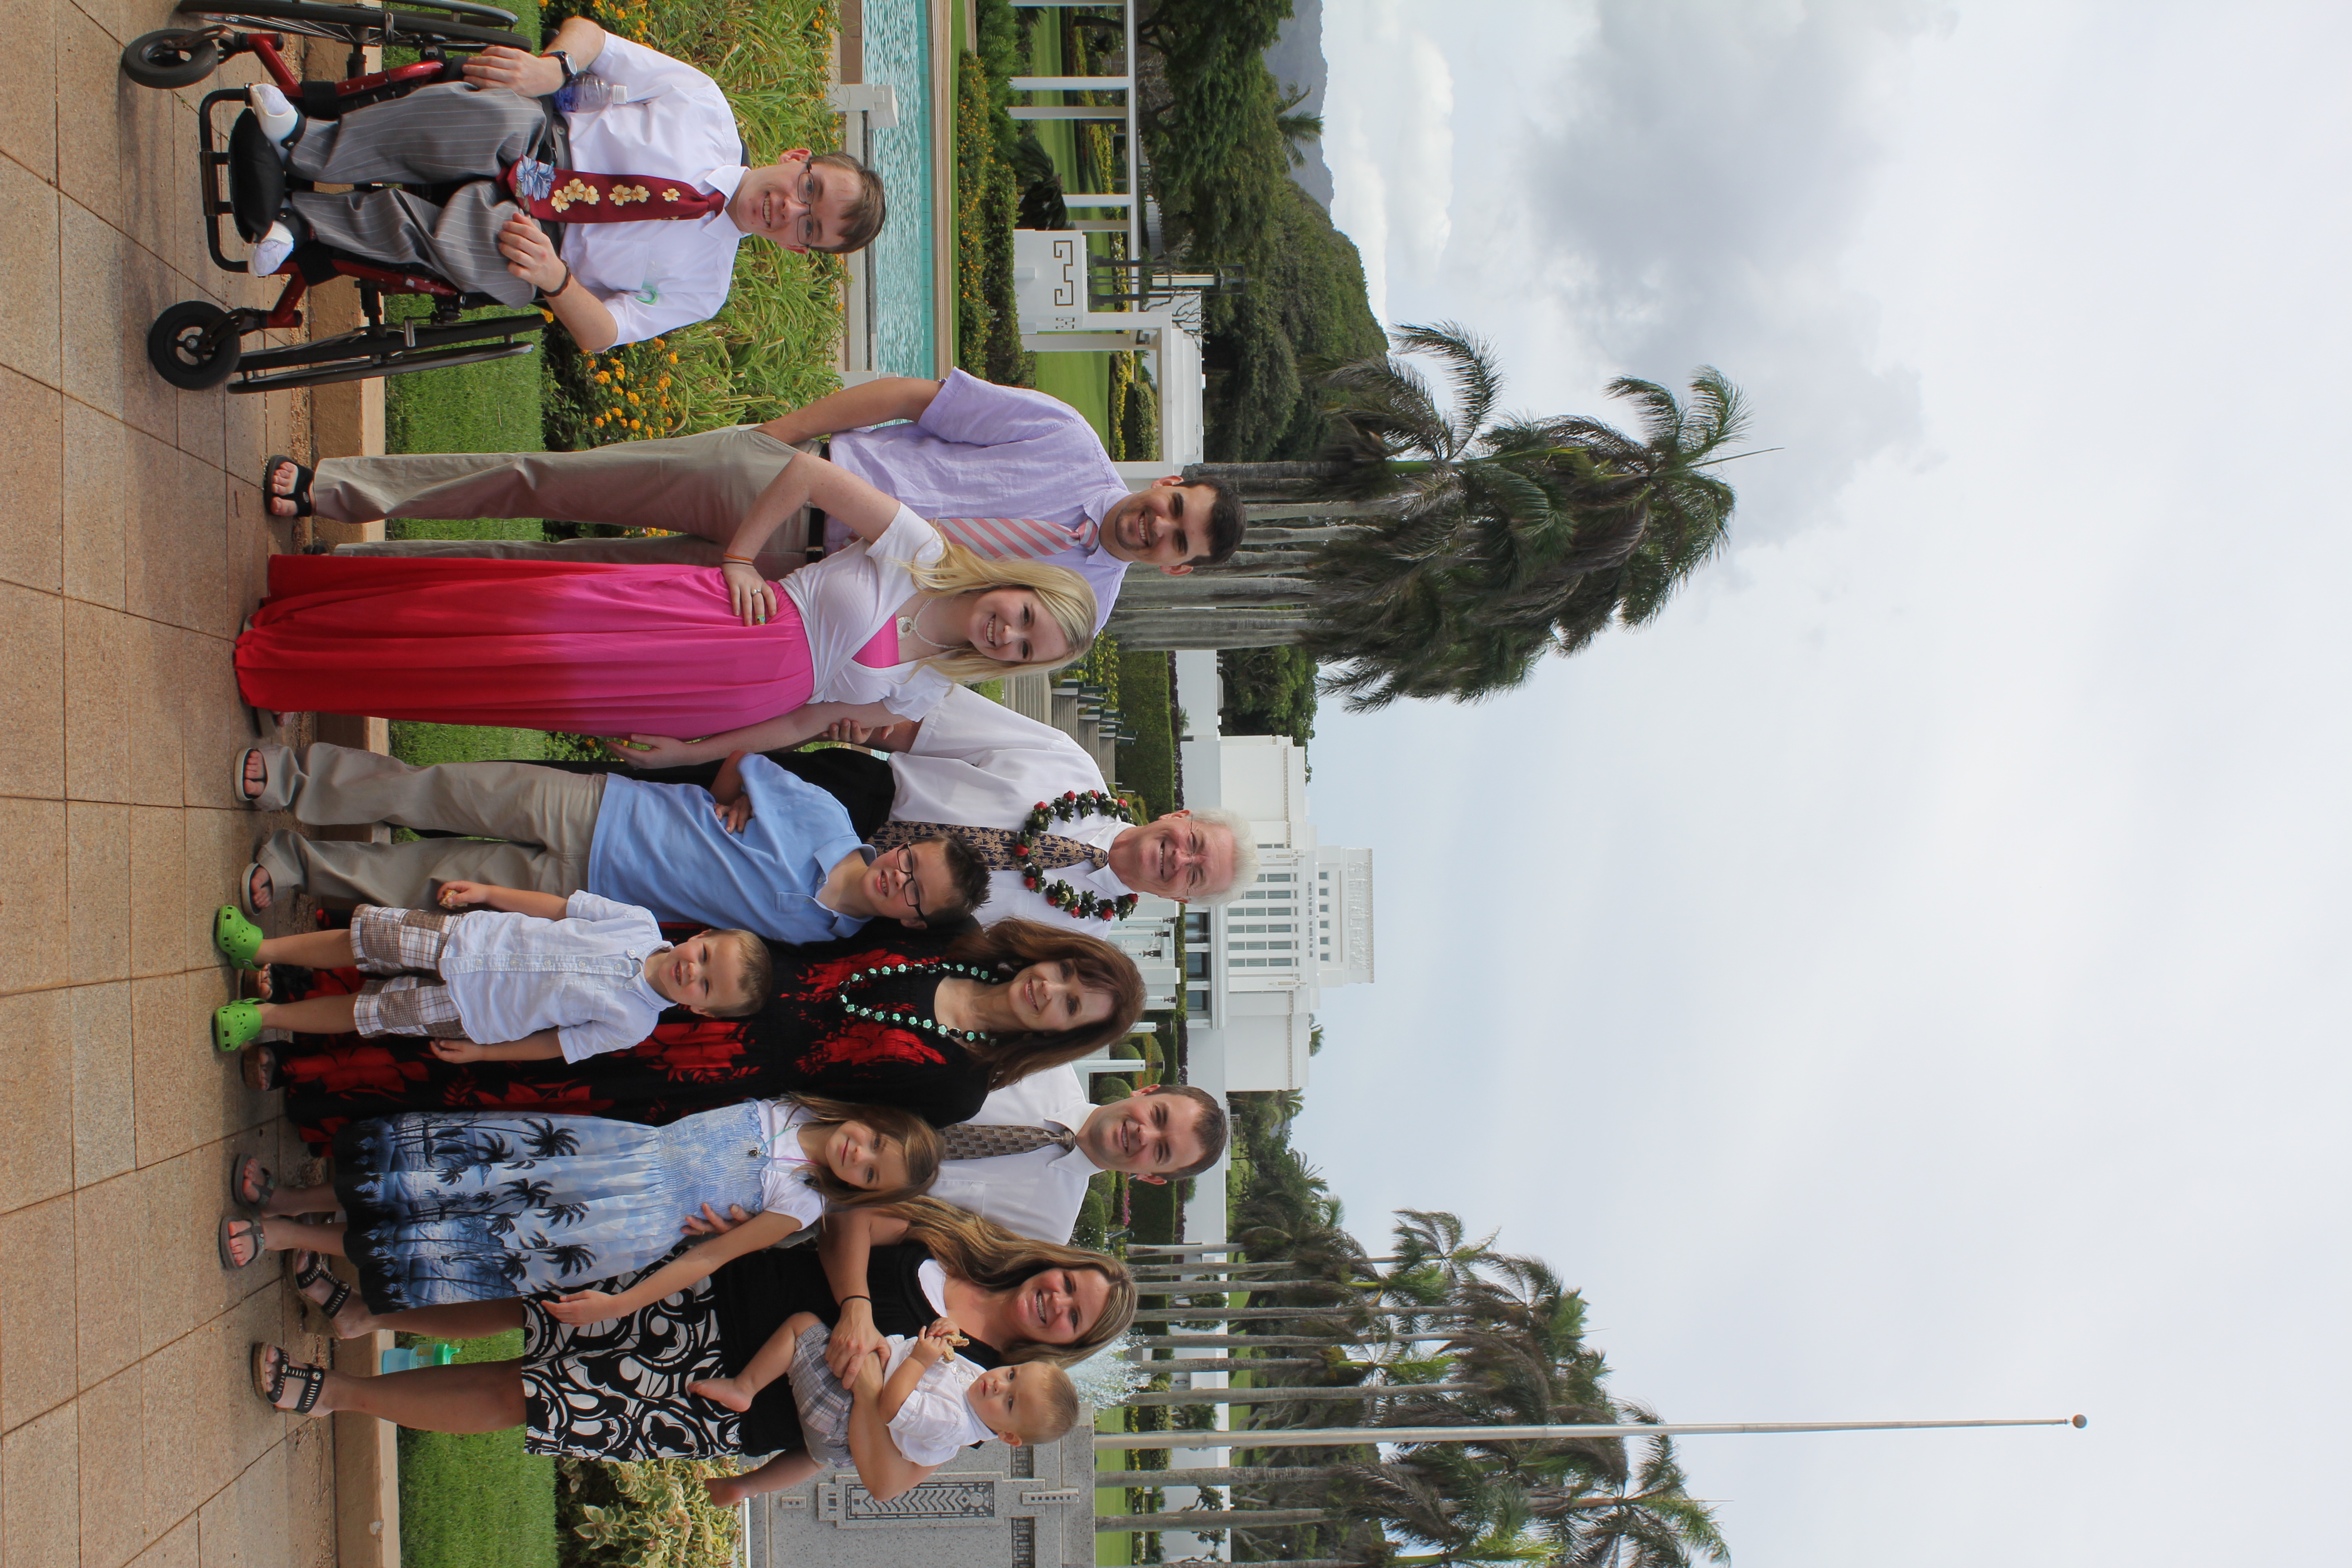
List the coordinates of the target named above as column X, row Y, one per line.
column 663, row 848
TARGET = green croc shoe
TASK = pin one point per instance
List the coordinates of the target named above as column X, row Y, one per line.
column 237, row 937
column 235, row 1026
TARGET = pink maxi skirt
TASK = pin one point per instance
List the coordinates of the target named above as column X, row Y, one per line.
column 545, row 644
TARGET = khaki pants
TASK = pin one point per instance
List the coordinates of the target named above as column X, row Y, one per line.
column 698, row 486
column 535, row 826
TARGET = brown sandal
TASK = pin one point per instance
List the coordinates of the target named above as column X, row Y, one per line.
column 258, row 1066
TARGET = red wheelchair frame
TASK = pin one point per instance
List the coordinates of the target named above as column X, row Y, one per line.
column 197, row 344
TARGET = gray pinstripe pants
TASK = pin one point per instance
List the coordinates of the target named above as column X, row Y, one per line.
column 445, row 131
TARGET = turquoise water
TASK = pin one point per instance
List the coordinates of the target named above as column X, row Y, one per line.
column 898, row 52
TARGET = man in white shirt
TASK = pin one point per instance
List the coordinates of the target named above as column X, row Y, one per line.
column 1154, row 1136
column 662, row 122
column 977, row 763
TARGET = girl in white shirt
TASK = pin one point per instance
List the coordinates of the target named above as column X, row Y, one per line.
column 448, row 1206
column 892, row 622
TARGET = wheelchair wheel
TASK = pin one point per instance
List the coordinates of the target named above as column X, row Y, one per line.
column 171, row 58
column 194, row 345
column 393, row 362
column 358, row 25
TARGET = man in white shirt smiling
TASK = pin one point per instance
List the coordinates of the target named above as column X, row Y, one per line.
column 977, row 763
column 1155, row 1135
column 664, row 123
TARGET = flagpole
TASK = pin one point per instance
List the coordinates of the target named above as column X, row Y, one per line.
column 1349, row 1437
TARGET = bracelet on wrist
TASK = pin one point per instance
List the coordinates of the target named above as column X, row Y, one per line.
column 845, row 1301
column 746, row 559
column 560, row 287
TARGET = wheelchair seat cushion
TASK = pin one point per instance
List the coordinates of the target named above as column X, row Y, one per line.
column 257, row 178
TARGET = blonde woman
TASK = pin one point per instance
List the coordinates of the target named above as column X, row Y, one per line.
column 656, row 654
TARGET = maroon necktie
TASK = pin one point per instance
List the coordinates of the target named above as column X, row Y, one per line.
column 574, row 195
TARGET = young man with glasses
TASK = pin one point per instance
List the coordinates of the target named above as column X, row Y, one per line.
column 650, row 135
column 761, row 850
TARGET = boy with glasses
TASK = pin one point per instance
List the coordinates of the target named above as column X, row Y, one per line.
column 762, row 849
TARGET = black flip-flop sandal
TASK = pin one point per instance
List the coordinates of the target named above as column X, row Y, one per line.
column 233, row 1227
column 310, row 1274
column 270, row 1381
column 299, row 495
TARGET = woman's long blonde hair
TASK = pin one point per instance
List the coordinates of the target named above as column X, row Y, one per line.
column 996, row 1259
column 1061, row 593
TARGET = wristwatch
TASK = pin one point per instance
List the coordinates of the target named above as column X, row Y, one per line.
column 564, row 60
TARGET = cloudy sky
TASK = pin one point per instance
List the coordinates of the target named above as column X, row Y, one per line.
column 1908, row 980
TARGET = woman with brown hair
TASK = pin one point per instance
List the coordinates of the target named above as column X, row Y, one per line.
column 889, row 1016
column 617, row 1389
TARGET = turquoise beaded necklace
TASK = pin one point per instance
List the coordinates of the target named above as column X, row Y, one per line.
column 913, row 1020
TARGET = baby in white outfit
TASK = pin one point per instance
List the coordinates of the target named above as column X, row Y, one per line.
column 935, row 1400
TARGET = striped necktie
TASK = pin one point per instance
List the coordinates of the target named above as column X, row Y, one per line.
column 1016, row 538
column 967, row 1140
column 994, row 846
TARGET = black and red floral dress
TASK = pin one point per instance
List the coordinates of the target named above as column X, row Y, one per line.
column 803, row 1042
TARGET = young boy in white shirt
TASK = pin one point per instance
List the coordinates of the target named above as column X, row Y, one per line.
column 935, row 1400
column 526, row 976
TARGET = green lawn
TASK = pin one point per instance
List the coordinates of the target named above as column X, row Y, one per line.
column 479, row 1501
column 1082, row 381
column 1147, row 764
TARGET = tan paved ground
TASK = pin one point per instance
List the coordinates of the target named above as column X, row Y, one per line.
column 131, row 546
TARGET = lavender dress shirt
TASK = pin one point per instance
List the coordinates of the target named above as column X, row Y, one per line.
column 985, row 451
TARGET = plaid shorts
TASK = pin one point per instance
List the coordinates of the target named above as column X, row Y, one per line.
column 823, row 1403
column 406, row 945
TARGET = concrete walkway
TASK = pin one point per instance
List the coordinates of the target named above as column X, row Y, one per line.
column 131, row 545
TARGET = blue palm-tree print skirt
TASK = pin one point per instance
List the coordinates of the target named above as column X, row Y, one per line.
column 450, row 1206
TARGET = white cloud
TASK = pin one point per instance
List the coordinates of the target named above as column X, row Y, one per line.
column 1390, row 140
column 1908, row 978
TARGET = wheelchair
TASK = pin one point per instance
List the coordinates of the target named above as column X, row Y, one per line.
column 196, row 345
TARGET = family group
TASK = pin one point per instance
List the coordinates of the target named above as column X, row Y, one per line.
column 604, row 1041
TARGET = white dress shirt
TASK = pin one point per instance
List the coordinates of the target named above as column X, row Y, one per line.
column 977, row 763
column 584, row 976
column 667, row 119
column 1036, row 1195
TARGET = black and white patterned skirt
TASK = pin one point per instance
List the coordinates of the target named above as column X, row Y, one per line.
column 616, row 1390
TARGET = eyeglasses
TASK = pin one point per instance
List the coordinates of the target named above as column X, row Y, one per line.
column 913, row 889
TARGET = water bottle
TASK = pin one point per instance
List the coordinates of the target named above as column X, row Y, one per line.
column 404, row 1358
column 586, row 90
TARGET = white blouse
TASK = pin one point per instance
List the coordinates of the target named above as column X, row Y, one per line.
column 783, row 1184
column 848, row 597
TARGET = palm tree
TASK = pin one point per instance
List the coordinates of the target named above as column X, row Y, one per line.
column 1517, row 536
column 1442, row 552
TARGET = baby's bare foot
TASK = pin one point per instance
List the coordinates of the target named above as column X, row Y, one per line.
column 726, row 1391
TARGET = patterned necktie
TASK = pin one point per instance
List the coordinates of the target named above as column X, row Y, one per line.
column 967, row 1141
column 1016, row 538
column 994, row 846
column 574, row 195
